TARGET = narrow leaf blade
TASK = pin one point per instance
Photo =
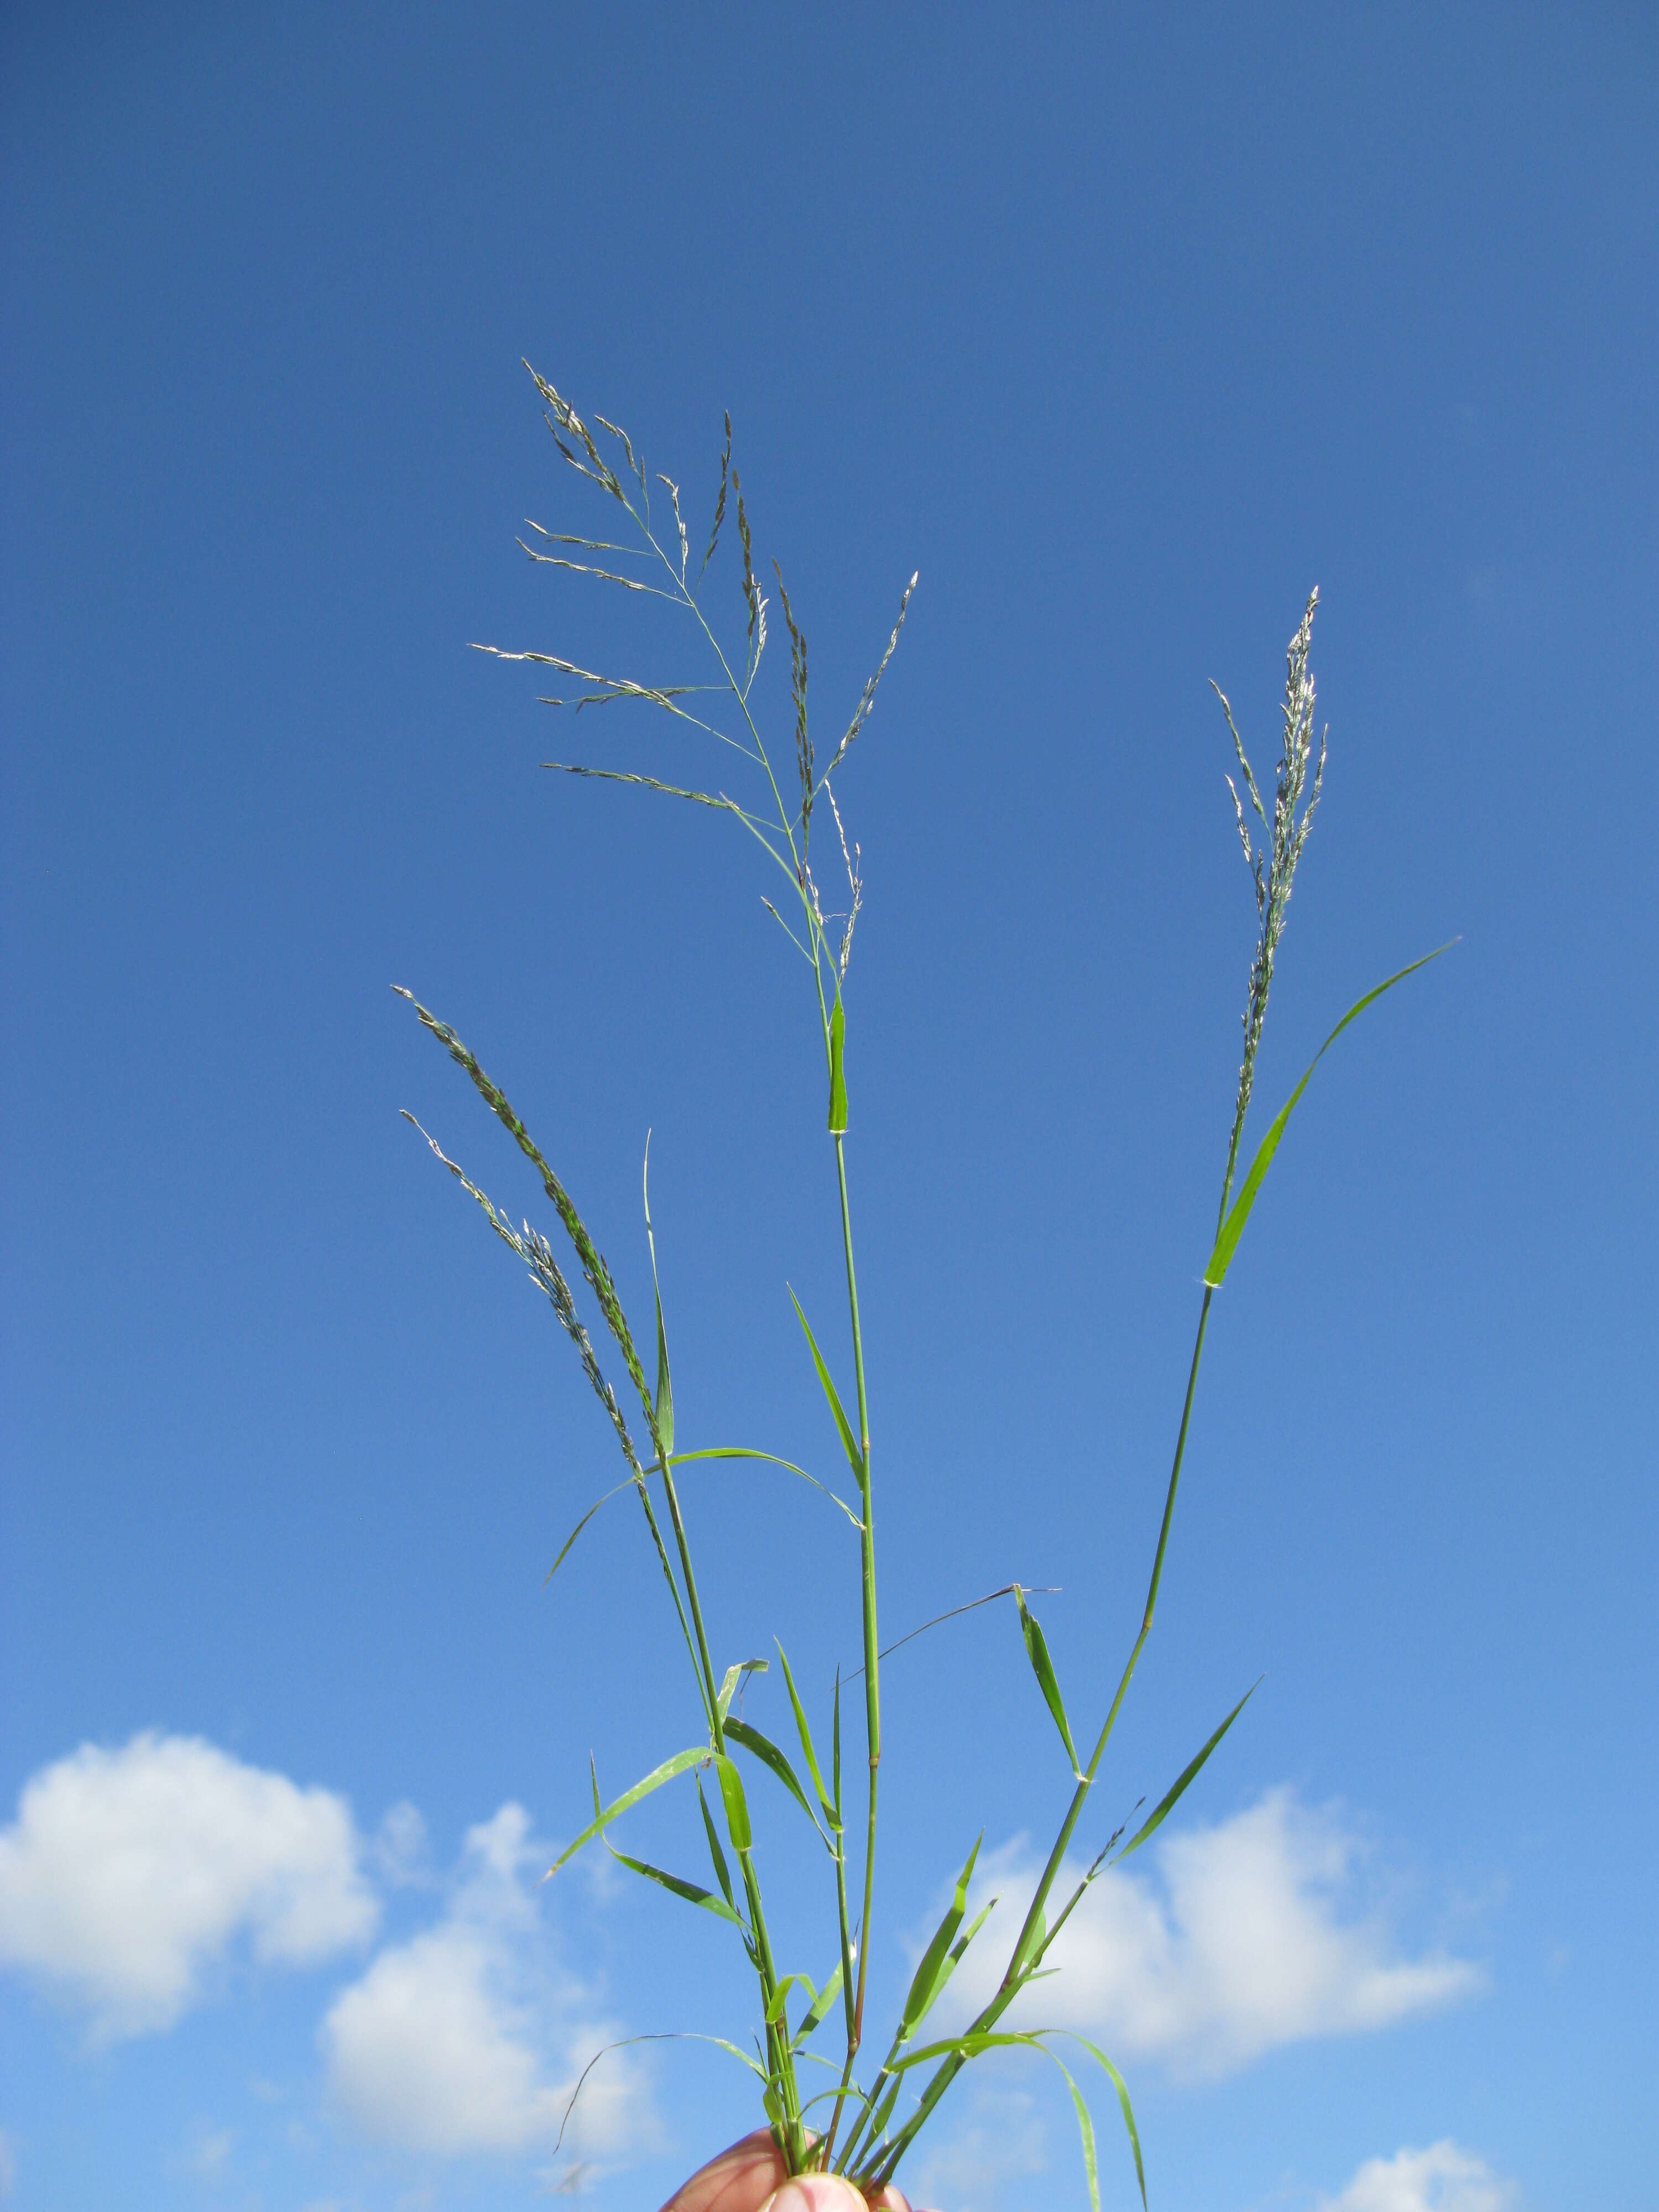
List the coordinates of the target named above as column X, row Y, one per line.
column 766, row 1752
column 805, row 1734
column 1127, row 2109
column 819, row 2008
column 722, row 1872
column 1232, row 1228
column 924, row 1984
column 1036, row 1650
column 689, row 1890
column 678, row 1764
column 737, row 1805
column 1085, row 2128
column 1177, row 1788
column 565, row 1547
column 849, row 1442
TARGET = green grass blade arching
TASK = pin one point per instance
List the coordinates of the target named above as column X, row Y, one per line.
column 777, row 2011
column 680, row 1763
column 1036, row 1650
column 1232, row 1228
column 564, row 1548
column 734, row 1674
column 661, row 2035
column 1125, row 2106
column 1085, row 2128
column 742, row 1451
column 762, row 1748
column 1188, row 1773
column 849, row 1442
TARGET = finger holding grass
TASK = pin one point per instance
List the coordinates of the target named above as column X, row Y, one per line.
column 752, row 2177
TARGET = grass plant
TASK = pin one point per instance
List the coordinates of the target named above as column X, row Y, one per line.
column 864, row 2119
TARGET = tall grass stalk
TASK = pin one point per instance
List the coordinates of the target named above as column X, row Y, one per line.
column 862, row 2133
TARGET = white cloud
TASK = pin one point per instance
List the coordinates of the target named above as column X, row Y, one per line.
column 1236, row 1943
column 1442, row 2178
column 127, row 1874
column 399, row 1851
column 465, row 2038
column 206, row 2154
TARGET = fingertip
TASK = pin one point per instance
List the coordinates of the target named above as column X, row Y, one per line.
column 815, row 2192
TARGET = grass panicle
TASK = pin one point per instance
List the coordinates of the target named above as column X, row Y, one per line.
column 873, row 2117
column 1273, row 866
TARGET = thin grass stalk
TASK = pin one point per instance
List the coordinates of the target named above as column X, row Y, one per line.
column 777, row 2039
column 871, row 1656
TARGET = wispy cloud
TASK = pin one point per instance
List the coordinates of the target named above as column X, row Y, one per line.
column 467, row 2038
column 128, row 1875
column 989, row 2157
column 1444, row 2177
column 1238, row 1938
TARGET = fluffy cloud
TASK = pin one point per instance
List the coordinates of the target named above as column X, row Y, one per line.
column 465, row 2038
column 1442, row 2178
column 127, row 1874
column 1234, row 1942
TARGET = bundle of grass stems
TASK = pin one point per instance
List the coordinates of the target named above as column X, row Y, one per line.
column 866, row 2119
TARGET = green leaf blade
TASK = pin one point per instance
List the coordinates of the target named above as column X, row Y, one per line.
column 762, row 1748
column 679, row 1886
column 680, row 1763
column 1036, row 1650
column 1232, row 1228
column 564, row 1549
column 837, row 1074
column 722, row 1872
column 1166, row 1804
column 830, row 1813
column 1127, row 2108
column 819, row 2009
column 737, row 1805
column 929, row 1977
column 849, row 1442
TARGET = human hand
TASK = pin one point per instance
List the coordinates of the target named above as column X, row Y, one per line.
column 751, row 2177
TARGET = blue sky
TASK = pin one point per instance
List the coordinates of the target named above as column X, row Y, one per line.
column 1124, row 332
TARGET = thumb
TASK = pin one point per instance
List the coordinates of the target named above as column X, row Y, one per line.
column 815, row 2192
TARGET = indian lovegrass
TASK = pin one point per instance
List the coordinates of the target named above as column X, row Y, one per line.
column 866, row 2118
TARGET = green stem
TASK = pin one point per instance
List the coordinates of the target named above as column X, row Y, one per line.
column 710, row 1693
column 871, row 1679
column 1019, row 1959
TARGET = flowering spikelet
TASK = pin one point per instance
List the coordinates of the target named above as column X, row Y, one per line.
column 1273, row 865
